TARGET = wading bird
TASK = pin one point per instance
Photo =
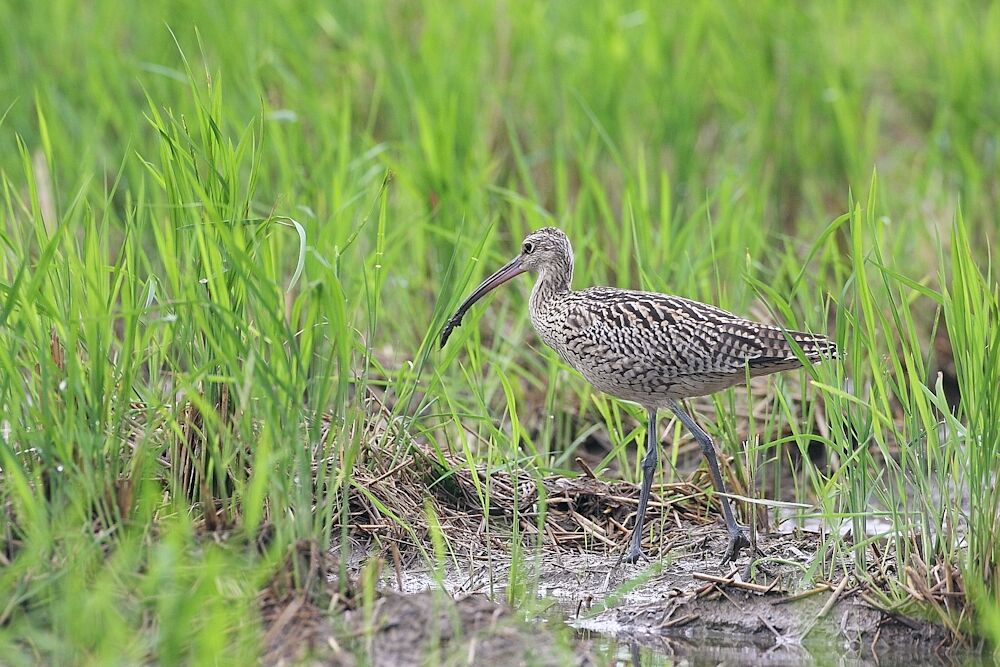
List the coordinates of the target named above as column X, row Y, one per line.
column 652, row 349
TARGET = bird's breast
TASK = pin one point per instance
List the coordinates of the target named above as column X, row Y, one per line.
column 611, row 360
column 549, row 324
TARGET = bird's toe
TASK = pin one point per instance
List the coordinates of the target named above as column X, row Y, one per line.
column 738, row 541
column 633, row 555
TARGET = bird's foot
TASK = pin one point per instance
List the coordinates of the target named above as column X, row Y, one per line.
column 633, row 555
column 738, row 541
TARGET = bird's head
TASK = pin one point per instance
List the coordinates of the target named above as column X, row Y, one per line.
column 546, row 252
column 546, row 249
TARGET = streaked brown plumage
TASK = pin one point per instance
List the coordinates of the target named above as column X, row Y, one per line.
column 653, row 349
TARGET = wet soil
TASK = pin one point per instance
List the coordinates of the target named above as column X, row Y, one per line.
column 804, row 606
column 682, row 608
column 432, row 628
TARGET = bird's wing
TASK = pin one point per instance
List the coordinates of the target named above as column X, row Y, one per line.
column 678, row 335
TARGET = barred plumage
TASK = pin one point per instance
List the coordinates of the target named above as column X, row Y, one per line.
column 653, row 349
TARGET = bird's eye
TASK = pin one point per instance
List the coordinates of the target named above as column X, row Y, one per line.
column 528, row 247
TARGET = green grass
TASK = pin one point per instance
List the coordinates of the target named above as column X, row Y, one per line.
column 220, row 223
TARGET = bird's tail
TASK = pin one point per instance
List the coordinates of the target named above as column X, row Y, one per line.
column 778, row 353
column 816, row 347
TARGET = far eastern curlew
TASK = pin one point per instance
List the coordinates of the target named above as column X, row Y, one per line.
column 652, row 349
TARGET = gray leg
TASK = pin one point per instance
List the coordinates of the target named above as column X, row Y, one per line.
column 737, row 537
column 634, row 552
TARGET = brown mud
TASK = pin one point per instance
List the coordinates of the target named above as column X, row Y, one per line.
column 684, row 607
column 550, row 544
column 800, row 607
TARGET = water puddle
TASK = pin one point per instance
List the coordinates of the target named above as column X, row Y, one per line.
column 671, row 612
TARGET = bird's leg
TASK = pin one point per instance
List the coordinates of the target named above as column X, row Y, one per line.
column 737, row 536
column 634, row 552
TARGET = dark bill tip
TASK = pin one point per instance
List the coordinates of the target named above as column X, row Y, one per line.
column 448, row 328
column 508, row 271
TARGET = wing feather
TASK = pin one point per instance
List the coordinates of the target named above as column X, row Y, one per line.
column 677, row 336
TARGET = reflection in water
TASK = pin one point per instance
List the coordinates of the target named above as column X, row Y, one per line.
column 663, row 651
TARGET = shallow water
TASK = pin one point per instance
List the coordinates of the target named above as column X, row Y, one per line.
column 668, row 651
column 652, row 615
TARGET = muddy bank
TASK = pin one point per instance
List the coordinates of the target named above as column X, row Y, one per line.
column 802, row 604
column 431, row 628
column 426, row 628
column 684, row 606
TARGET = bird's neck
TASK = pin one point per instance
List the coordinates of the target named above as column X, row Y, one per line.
column 551, row 285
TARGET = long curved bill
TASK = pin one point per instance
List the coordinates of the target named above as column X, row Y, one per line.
column 509, row 270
